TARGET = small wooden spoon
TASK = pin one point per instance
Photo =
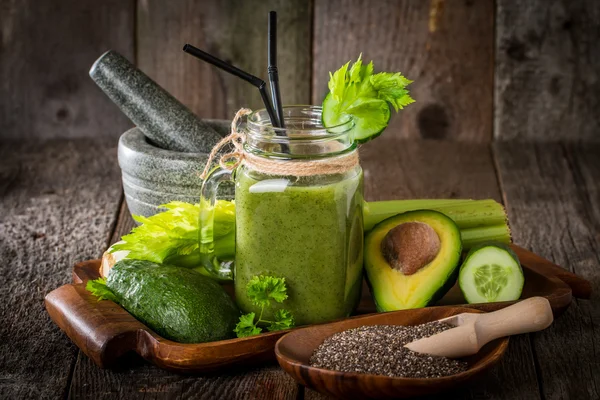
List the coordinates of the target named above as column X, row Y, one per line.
column 473, row 331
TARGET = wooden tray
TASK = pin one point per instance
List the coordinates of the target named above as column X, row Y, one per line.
column 105, row 331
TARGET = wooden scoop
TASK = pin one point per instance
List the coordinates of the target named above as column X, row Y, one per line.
column 473, row 331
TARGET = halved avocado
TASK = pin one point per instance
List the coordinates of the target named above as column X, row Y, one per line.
column 393, row 289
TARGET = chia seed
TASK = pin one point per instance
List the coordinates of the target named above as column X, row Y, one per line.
column 379, row 350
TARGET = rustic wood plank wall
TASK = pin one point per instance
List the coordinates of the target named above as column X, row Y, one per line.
column 233, row 30
column 484, row 69
column 446, row 48
column 46, row 51
column 548, row 70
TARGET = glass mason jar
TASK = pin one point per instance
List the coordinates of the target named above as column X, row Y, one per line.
column 306, row 229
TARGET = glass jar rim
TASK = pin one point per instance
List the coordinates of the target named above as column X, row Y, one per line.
column 258, row 123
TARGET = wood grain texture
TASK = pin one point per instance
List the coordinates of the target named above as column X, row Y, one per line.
column 445, row 46
column 46, row 50
column 547, row 83
column 233, row 30
column 395, row 168
column 136, row 379
column 581, row 288
column 124, row 224
column 57, row 206
column 553, row 201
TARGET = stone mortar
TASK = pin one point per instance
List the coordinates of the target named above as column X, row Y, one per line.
column 153, row 176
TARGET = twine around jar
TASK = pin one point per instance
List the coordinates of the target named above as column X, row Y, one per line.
column 326, row 166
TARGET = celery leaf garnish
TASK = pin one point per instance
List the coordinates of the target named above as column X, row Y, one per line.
column 355, row 90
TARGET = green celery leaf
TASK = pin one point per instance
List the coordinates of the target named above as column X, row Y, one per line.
column 99, row 289
column 356, row 91
column 372, row 108
column 224, row 218
column 337, row 82
column 392, row 88
column 173, row 234
column 355, row 75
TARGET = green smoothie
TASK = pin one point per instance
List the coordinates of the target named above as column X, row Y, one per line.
column 307, row 230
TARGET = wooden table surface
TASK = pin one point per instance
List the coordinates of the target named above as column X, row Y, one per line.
column 61, row 202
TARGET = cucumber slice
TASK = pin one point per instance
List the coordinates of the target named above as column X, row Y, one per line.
column 491, row 272
column 371, row 117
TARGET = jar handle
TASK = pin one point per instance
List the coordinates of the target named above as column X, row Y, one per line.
column 222, row 269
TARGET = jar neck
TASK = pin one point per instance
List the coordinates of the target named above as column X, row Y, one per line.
column 304, row 136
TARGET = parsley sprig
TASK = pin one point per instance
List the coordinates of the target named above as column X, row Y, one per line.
column 262, row 291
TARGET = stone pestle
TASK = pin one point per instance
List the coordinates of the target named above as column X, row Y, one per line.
column 162, row 118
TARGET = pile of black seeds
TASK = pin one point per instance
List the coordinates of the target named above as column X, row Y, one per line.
column 379, row 350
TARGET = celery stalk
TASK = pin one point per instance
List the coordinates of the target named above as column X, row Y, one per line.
column 494, row 233
column 479, row 220
column 466, row 213
column 376, row 211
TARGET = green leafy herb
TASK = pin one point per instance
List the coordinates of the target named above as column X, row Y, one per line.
column 356, row 91
column 246, row 326
column 283, row 320
column 99, row 289
column 171, row 236
column 391, row 88
column 262, row 291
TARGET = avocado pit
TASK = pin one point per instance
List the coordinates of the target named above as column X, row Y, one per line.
column 410, row 246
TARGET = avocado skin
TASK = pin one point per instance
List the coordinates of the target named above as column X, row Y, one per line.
column 420, row 216
column 177, row 303
column 441, row 292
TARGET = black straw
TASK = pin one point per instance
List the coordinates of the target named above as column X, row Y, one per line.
column 255, row 81
column 272, row 68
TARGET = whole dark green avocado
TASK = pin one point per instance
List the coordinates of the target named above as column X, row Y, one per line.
column 179, row 304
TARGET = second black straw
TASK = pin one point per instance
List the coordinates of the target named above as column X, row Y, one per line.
column 255, row 81
column 272, row 68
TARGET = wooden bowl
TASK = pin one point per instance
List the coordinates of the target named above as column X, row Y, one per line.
column 294, row 350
